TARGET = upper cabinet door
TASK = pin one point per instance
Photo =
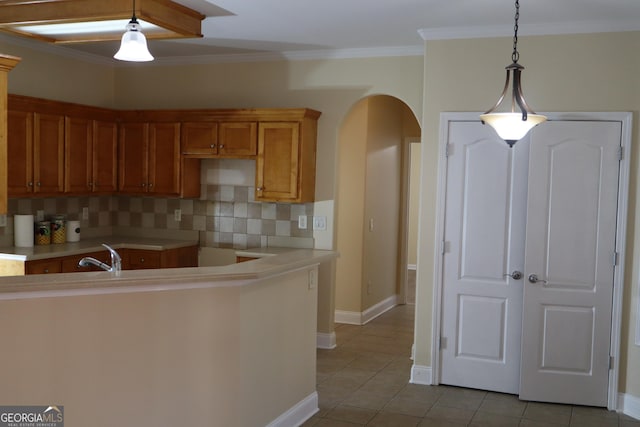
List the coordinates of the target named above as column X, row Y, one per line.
column 164, row 158
column 105, row 152
column 19, row 153
column 133, row 163
column 278, row 162
column 238, row 139
column 48, row 154
column 77, row 155
column 199, row 139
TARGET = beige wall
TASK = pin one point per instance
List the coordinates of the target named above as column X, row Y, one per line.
column 370, row 148
column 414, row 202
column 563, row 73
column 51, row 76
column 352, row 155
column 221, row 356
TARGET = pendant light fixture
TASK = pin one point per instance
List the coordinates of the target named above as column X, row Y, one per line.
column 513, row 126
column 133, row 46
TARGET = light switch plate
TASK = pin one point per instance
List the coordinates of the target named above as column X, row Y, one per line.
column 177, row 215
column 85, row 213
column 302, row 222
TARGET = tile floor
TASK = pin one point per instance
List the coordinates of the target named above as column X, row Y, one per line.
column 365, row 382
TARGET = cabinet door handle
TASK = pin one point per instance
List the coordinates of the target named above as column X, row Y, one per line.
column 38, row 184
column 150, row 185
column 46, row 270
column 143, row 185
column 30, row 184
column 221, row 146
column 259, row 189
column 212, row 146
column 141, row 260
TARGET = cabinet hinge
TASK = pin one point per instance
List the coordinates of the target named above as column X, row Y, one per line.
column 615, row 258
column 443, row 343
column 444, row 247
column 611, row 361
column 620, row 153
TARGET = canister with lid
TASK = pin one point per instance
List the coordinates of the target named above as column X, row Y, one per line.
column 58, row 229
column 43, row 233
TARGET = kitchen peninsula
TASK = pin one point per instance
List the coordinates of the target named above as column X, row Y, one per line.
column 232, row 346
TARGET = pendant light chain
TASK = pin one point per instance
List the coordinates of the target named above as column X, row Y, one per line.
column 515, row 56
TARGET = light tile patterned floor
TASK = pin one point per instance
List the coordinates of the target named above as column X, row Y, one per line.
column 365, row 382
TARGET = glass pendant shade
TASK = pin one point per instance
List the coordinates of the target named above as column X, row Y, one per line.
column 513, row 126
column 510, row 126
column 133, row 46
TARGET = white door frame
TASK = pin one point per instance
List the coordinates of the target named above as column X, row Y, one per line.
column 621, row 229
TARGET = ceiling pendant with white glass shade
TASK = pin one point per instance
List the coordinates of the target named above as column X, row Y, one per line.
column 513, row 126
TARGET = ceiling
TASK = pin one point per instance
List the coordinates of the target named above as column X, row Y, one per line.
column 238, row 30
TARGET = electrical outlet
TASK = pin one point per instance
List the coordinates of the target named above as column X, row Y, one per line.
column 85, row 213
column 177, row 215
column 302, row 222
column 320, row 223
column 39, row 215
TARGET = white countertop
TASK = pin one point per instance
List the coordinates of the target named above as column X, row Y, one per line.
column 91, row 245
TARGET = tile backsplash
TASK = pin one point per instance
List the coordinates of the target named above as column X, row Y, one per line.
column 226, row 216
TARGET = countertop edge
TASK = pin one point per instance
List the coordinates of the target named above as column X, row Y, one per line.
column 98, row 282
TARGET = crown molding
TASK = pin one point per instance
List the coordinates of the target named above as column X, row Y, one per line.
column 559, row 28
column 301, row 55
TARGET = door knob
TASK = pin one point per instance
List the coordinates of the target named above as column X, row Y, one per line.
column 516, row 275
column 533, row 278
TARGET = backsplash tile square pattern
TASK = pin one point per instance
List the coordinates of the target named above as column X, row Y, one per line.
column 227, row 216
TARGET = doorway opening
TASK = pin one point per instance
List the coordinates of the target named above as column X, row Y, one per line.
column 372, row 207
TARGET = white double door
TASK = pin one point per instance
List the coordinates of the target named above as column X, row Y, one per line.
column 545, row 208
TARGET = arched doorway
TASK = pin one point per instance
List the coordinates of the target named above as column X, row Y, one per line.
column 372, row 209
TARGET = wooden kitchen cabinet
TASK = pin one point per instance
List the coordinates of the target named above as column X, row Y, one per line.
column 91, row 148
column 44, row 266
column 285, row 166
column 137, row 259
column 69, row 264
column 237, row 139
column 35, row 152
column 20, row 153
column 150, row 162
column 133, row 158
column 219, row 139
column 132, row 259
column 199, row 139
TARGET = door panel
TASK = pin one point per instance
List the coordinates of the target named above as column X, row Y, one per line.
column 570, row 246
column 484, row 234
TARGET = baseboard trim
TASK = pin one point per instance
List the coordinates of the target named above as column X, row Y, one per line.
column 348, row 317
column 629, row 405
column 421, row 375
column 326, row 341
column 357, row 318
column 299, row 413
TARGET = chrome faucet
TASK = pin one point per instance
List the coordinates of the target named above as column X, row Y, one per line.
column 116, row 261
